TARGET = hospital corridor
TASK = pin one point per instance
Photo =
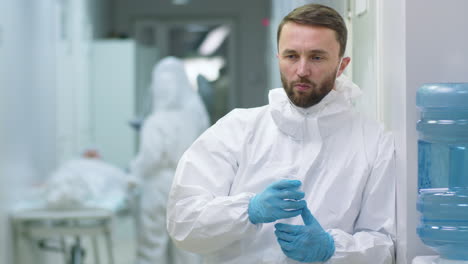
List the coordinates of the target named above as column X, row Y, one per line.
column 233, row 131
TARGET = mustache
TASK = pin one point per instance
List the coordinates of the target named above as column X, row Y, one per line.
column 304, row 81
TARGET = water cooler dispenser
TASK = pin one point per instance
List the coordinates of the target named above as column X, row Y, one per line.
column 443, row 171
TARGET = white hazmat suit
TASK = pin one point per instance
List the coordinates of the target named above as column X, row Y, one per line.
column 344, row 161
column 178, row 118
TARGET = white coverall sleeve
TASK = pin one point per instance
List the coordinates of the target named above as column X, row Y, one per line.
column 151, row 148
column 201, row 216
column 374, row 234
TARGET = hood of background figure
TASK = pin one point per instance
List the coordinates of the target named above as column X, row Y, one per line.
column 170, row 85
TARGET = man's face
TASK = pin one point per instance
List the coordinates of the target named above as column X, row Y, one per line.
column 309, row 62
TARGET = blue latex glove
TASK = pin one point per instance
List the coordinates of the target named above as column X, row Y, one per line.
column 279, row 200
column 307, row 243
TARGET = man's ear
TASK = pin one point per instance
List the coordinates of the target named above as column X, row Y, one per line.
column 344, row 63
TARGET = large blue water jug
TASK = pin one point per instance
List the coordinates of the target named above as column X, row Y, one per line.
column 443, row 168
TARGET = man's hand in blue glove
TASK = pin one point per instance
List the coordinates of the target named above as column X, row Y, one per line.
column 307, row 243
column 279, row 200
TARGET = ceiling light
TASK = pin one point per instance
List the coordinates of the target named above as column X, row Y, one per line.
column 213, row 40
column 180, row 2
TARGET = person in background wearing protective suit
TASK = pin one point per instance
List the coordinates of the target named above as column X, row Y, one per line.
column 178, row 118
column 303, row 179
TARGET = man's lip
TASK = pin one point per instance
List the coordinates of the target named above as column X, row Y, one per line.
column 302, row 86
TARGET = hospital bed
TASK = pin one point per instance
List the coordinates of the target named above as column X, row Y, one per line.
column 65, row 231
column 40, row 227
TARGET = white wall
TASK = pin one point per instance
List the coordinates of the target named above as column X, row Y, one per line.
column 78, row 23
column 251, row 35
column 364, row 59
column 72, row 53
column 113, row 100
column 27, row 137
column 436, row 51
column 394, row 113
column 422, row 41
column 387, row 39
column 28, row 102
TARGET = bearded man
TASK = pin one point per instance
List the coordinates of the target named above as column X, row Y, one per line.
column 305, row 178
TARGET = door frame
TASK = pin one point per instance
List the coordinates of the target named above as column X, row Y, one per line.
column 162, row 25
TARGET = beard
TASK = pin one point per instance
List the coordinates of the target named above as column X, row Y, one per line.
column 311, row 96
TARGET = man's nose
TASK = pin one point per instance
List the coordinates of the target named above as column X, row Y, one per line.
column 303, row 68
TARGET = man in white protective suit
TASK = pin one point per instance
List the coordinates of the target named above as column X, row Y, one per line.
column 178, row 118
column 304, row 179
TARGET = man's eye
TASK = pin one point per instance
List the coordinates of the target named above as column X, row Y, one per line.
column 291, row 56
column 317, row 58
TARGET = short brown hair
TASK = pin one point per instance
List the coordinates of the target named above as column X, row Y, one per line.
column 318, row 15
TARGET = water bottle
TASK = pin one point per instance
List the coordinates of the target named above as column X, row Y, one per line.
column 443, row 168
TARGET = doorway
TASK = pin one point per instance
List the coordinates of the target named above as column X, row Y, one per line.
column 207, row 49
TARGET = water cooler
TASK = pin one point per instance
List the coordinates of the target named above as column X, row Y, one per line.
column 443, row 171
